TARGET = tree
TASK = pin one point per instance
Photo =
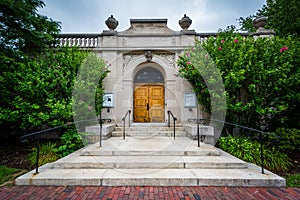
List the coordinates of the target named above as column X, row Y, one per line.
column 261, row 78
column 37, row 91
column 23, row 29
column 283, row 17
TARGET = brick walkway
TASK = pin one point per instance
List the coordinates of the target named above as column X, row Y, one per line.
column 116, row 193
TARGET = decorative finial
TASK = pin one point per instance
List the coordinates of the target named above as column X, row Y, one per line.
column 260, row 22
column 111, row 23
column 185, row 22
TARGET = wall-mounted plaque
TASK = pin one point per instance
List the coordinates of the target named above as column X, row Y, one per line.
column 108, row 100
column 190, row 100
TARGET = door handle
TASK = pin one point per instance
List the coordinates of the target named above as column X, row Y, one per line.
column 147, row 106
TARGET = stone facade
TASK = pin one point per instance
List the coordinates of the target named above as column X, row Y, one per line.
column 125, row 51
column 146, row 44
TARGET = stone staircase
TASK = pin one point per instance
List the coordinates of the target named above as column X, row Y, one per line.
column 144, row 131
column 150, row 156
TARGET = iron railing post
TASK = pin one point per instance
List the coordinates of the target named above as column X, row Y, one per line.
column 100, row 123
column 129, row 118
column 37, row 156
column 174, row 122
column 123, row 120
column 169, row 119
column 198, row 133
column 124, row 129
column 174, row 128
column 261, row 153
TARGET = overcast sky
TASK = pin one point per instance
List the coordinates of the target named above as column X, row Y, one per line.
column 88, row 16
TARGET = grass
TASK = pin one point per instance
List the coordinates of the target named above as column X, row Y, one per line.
column 8, row 175
column 293, row 180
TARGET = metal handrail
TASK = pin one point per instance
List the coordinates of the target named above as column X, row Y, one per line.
column 198, row 131
column 123, row 119
column 240, row 126
column 25, row 137
column 174, row 121
column 101, row 121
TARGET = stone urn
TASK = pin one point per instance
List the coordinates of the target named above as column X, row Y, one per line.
column 260, row 22
column 185, row 22
column 111, row 23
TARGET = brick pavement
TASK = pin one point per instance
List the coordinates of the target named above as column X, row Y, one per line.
column 168, row 193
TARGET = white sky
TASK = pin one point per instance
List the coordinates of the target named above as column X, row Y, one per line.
column 88, row 16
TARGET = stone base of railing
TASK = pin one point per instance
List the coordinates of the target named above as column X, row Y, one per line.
column 207, row 133
column 93, row 135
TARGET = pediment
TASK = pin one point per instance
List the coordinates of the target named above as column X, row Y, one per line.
column 148, row 27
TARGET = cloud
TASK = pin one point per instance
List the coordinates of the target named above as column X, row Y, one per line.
column 82, row 16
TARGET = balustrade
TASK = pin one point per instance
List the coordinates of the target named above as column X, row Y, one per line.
column 80, row 40
column 92, row 40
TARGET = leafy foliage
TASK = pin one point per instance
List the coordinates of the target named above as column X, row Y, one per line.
column 285, row 140
column 22, row 27
column 37, row 91
column 248, row 150
column 47, row 154
column 7, row 173
column 283, row 17
column 89, row 89
column 70, row 142
column 293, row 180
column 260, row 78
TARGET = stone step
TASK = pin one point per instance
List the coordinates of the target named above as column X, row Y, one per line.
column 138, row 161
column 246, row 177
column 149, row 133
column 157, row 162
column 137, row 128
column 149, row 146
column 151, row 125
column 152, row 153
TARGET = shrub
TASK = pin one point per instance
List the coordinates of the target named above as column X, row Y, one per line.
column 286, row 140
column 7, row 173
column 260, row 76
column 293, row 180
column 70, row 142
column 47, row 154
column 249, row 151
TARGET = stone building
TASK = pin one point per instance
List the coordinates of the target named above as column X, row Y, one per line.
column 143, row 69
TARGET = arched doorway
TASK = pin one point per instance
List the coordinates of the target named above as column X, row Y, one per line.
column 149, row 96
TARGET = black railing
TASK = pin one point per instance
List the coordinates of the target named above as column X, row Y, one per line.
column 174, row 121
column 240, row 126
column 37, row 136
column 123, row 119
column 199, row 137
column 101, row 121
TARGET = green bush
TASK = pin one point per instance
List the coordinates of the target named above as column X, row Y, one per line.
column 260, row 76
column 7, row 173
column 293, row 180
column 70, row 142
column 286, row 140
column 249, row 151
column 47, row 154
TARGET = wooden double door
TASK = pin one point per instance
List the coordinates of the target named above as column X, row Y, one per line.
column 149, row 101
